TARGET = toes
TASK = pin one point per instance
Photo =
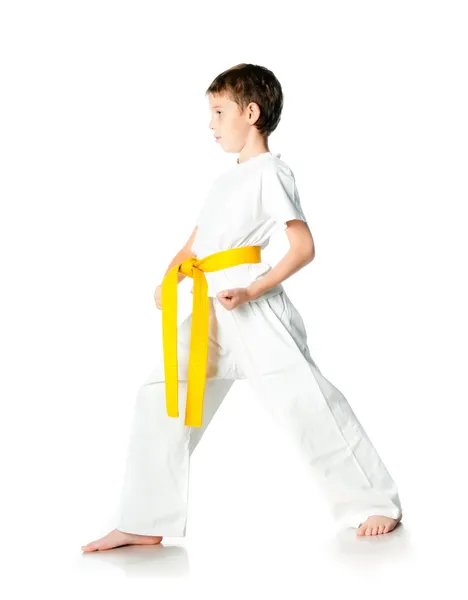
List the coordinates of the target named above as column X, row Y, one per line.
column 360, row 530
column 373, row 529
column 363, row 530
column 374, row 526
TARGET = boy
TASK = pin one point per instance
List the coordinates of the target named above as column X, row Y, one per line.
column 253, row 331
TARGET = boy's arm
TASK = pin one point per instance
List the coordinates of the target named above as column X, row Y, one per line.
column 300, row 253
column 183, row 254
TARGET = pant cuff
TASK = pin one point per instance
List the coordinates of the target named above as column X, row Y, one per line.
column 162, row 530
column 356, row 520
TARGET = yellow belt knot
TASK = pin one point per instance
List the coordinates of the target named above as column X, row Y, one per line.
column 198, row 358
column 187, row 266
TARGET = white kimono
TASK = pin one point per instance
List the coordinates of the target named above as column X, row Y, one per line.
column 244, row 207
column 265, row 342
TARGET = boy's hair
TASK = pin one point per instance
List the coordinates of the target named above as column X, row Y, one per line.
column 245, row 83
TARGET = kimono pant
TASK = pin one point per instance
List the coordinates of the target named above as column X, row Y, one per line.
column 265, row 342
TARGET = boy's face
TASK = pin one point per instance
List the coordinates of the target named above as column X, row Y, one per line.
column 229, row 123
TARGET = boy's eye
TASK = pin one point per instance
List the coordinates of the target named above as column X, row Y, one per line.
column 218, row 111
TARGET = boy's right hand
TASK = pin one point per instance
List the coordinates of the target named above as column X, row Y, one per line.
column 157, row 296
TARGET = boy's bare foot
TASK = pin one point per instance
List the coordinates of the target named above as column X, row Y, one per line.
column 377, row 524
column 118, row 538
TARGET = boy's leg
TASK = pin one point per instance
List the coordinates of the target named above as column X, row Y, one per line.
column 272, row 350
column 154, row 498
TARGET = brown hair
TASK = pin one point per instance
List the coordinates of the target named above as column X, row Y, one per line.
column 245, row 83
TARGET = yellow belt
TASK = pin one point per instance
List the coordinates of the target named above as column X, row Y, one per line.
column 198, row 358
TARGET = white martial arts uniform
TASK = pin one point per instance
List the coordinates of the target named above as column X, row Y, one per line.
column 265, row 342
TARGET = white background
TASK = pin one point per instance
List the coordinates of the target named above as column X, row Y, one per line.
column 106, row 156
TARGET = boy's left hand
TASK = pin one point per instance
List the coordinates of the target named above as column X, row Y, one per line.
column 234, row 297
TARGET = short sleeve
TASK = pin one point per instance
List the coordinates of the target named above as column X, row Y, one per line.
column 279, row 196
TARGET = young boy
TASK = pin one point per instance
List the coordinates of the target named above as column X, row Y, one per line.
column 244, row 327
